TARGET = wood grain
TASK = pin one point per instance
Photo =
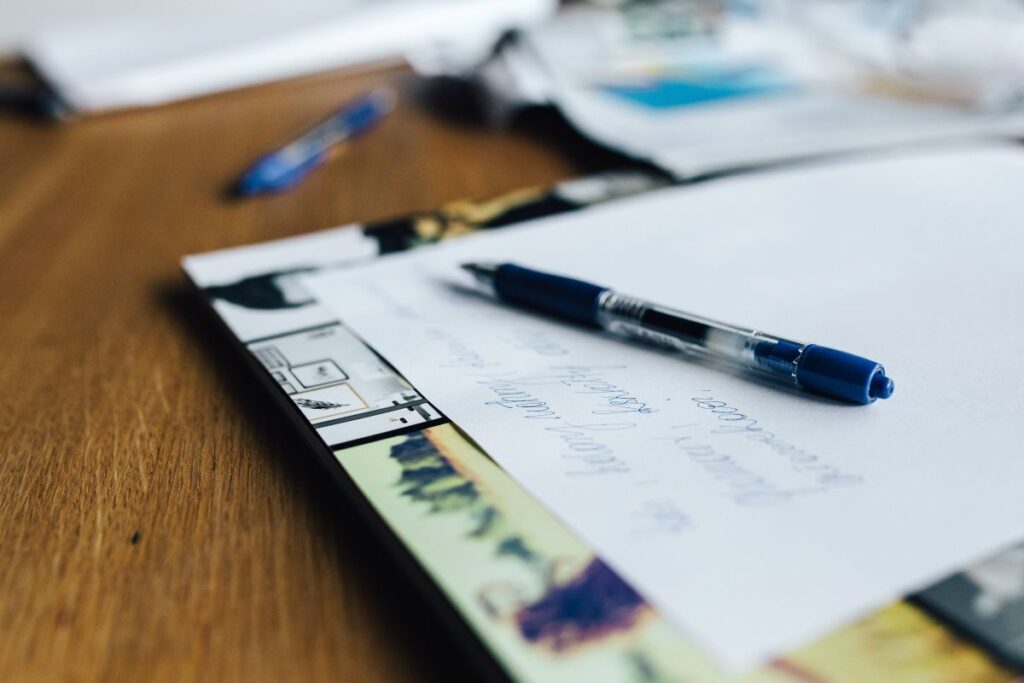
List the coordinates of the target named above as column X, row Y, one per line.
column 156, row 519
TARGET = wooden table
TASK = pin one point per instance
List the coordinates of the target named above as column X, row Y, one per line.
column 157, row 521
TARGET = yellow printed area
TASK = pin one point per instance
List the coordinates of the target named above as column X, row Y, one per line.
column 551, row 611
column 897, row 643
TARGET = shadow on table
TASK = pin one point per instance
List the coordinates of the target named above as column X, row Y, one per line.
column 462, row 103
column 413, row 623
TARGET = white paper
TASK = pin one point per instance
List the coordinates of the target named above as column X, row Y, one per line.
column 754, row 517
column 156, row 57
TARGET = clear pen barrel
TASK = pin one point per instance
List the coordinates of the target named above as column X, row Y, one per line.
column 692, row 334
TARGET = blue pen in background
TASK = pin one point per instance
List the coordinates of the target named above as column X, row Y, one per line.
column 285, row 167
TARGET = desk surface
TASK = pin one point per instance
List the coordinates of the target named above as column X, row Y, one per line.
column 156, row 519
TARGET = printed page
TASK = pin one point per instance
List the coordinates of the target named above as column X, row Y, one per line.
column 761, row 91
column 754, row 517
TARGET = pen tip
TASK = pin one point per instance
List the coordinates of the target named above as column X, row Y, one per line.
column 247, row 186
column 483, row 272
column 479, row 267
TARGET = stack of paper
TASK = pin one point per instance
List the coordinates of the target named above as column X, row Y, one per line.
column 755, row 518
column 737, row 91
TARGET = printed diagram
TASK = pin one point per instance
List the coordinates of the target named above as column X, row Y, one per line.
column 270, row 357
column 411, row 402
column 320, row 388
column 313, row 404
column 319, row 373
column 329, row 402
column 341, row 387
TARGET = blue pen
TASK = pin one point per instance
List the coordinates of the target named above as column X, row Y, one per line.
column 816, row 368
column 285, row 167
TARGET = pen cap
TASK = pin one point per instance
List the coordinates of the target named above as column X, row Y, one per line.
column 842, row 375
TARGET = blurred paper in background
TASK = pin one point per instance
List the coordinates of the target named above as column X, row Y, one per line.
column 703, row 87
column 158, row 56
